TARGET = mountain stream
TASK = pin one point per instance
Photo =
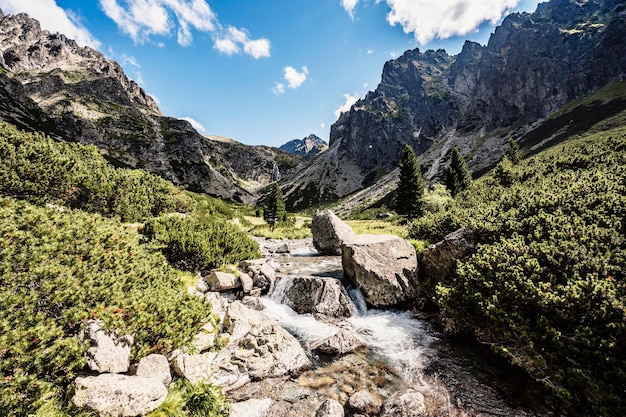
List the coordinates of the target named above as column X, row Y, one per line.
column 456, row 378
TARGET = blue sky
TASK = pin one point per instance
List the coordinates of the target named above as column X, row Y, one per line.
column 264, row 71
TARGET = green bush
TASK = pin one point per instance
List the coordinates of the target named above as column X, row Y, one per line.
column 194, row 246
column 61, row 267
column 546, row 286
column 37, row 169
column 200, row 400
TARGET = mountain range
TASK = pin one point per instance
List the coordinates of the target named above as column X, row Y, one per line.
column 523, row 85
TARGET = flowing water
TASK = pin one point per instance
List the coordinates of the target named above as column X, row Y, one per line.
column 401, row 351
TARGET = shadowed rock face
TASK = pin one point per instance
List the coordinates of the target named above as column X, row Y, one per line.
column 532, row 65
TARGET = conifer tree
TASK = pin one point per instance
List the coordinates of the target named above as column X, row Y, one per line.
column 457, row 175
column 274, row 206
column 513, row 152
column 410, row 192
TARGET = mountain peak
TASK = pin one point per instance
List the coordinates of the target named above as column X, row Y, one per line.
column 311, row 145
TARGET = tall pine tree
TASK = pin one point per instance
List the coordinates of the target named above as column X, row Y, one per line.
column 513, row 152
column 274, row 207
column 457, row 175
column 410, row 192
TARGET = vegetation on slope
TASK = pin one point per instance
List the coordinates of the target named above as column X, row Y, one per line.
column 546, row 286
column 66, row 257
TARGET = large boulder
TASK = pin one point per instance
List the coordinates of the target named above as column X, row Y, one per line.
column 340, row 343
column 438, row 260
column 155, row 366
column 223, row 281
column 329, row 233
column 312, row 295
column 384, row 267
column 260, row 345
column 119, row 395
column 405, row 403
column 109, row 352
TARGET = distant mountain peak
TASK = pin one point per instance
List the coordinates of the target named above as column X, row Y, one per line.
column 311, row 145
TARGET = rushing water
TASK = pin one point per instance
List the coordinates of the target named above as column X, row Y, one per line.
column 402, row 351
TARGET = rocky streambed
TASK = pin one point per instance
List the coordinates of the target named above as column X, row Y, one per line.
column 397, row 366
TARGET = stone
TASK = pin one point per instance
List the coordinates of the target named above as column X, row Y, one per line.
column 253, row 303
column 314, row 295
column 384, row 267
column 195, row 368
column 329, row 233
column 340, row 343
column 223, row 281
column 109, row 352
column 252, row 408
column 364, row 401
column 260, row 345
column 438, row 260
column 119, row 395
column 155, row 366
column 205, row 338
column 330, row 408
column 247, row 283
column 405, row 403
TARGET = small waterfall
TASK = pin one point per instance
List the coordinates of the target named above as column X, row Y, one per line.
column 275, row 172
column 358, row 305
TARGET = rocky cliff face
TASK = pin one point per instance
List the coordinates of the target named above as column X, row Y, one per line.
column 309, row 146
column 52, row 85
column 532, row 65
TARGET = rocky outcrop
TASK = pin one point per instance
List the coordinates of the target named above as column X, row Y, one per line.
column 532, row 65
column 313, row 295
column 251, row 408
column 309, row 146
column 438, row 260
column 119, row 395
column 329, row 233
column 384, row 267
column 109, row 352
column 340, row 343
column 405, row 403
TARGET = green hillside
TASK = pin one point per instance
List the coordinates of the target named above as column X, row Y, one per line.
column 66, row 256
column 546, row 287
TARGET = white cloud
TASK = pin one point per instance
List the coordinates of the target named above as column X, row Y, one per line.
column 259, row 48
column 349, row 5
column 323, row 125
column 370, row 51
column 196, row 124
column 349, row 101
column 278, row 89
column 52, row 18
column 294, row 78
column 233, row 40
column 430, row 19
column 142, row 19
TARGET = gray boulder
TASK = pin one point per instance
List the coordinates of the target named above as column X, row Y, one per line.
column 340, row 343
column 260, row 345
column 330, row 408
column 155, row 367
column 364, row 401
column 384, row 267
column 109, row 352
column 314, row 295
column 438, row 260
column 329, row 233
column 119, row 395
column 194, row 368
column 405, row 403
column 223, row 281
